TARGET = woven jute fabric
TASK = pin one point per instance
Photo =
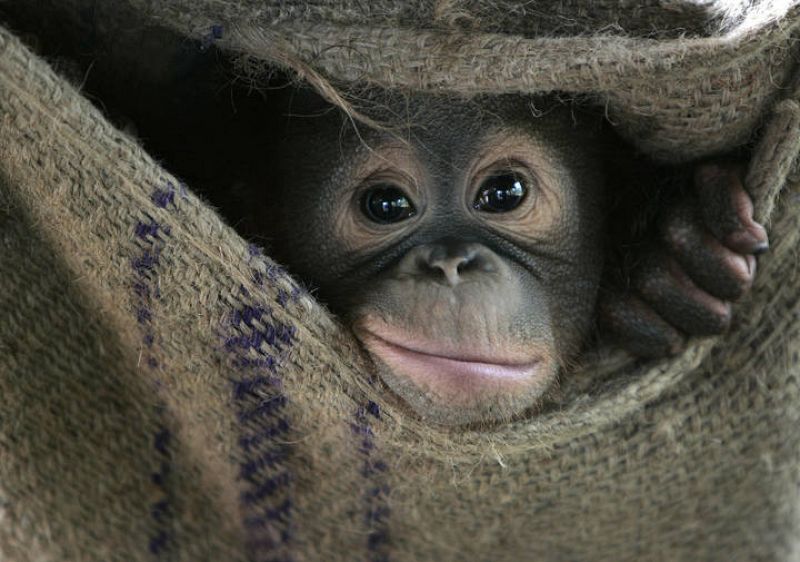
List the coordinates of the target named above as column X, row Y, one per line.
column 680, row 79
column 169, row 392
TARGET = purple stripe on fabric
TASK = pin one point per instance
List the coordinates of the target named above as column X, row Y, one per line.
column 143, row 263
column 267, row 488
column 246, row 386
column 273, row 273
column 250, row 442
column 164, row 196
column 275, row 335
column 269, row 459
column 159, row 543
column 150, row 237
column 161, row 441
column 267, row 407
column 280, row 513
column 213, row 35
column 248, row 314
column 143, row 316
column 150, row 229
column 159, row 510
column 267, row 363
column 256, row 342
column 376, row 494
column 283, row 297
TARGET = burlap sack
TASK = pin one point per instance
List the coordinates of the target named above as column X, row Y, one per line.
column 168, row 392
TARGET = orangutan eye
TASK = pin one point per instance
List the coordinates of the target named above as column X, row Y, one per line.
column 386, row 204
column 501, row 192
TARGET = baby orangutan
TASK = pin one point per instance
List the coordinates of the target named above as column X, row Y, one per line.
column 465, row 243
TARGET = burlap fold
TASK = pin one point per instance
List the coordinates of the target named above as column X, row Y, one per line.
column 168, row 392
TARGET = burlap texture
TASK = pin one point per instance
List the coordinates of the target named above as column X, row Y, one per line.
column 168, row 392
column 677, row 78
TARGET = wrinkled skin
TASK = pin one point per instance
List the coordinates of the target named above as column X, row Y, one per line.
column 470, row 314
column 452, row 288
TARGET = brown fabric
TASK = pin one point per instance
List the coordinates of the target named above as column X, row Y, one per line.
column 678, row 89
column 168, row 392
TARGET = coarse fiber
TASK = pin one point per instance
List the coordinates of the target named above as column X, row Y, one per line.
column 168, row 392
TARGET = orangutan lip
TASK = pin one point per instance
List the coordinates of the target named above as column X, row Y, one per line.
column 448, row 362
